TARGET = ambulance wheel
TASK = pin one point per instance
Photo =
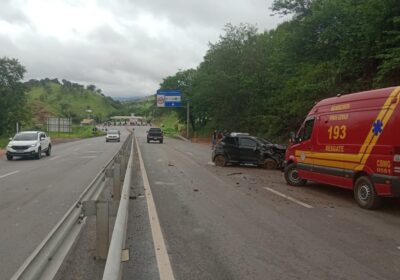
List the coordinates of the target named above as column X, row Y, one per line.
column 292, row 176
column 365, row 194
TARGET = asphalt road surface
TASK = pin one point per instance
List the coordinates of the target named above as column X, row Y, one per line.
column 35, row 194
column 246, row 223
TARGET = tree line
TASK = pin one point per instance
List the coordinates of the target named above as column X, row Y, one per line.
column 266, row 82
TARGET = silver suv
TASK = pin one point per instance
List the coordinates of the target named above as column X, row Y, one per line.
column 113, row 135
column 29, row 144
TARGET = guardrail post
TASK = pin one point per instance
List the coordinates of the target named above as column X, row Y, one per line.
column 123, row 166
column 117, row 179
column 102, row 230
column 109, row 174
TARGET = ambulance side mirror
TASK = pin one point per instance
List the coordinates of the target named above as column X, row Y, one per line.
column 293, row 138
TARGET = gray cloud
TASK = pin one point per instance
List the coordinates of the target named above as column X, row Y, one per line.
column 129, row 52
column 10, row 12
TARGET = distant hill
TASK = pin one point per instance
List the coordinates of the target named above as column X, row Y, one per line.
column 127, row 98
column 66, row 99
column 144, row 106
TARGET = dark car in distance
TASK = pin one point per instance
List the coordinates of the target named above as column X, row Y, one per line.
column 246, row 149
column 155, row 134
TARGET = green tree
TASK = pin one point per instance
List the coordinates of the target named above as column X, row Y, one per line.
column 12, row 95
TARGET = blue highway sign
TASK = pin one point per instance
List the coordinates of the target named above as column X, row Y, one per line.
column 169, row 98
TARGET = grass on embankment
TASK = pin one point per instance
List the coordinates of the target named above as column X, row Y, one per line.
column 169, row 123
column 3, row 141
column 77, row 132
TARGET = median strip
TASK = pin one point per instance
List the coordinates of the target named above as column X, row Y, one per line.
column 289, row 198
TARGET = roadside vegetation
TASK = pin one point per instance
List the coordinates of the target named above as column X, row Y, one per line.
column 3, row 142
column 265, row 83
column 78, row 132
column 71, row 100
column 30, row 103
column 169, row 122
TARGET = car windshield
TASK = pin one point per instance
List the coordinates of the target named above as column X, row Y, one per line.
column 113, row 132
column 25, row 136
column 264, row 141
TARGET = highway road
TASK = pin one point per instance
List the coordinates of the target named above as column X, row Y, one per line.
column 35, row 194
column 246, row 223
column 192, row 220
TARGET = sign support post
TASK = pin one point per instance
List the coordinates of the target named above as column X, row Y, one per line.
column 187, row 118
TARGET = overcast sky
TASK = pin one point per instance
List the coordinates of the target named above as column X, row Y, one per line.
column 124, row 47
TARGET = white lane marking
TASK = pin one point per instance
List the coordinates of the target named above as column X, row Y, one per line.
column 211, row 163
column 289, row 198
column 53, row 158
column 163, row 263
column 189, row 153
column 8, row 174
column 164, row 183
column 89, row 157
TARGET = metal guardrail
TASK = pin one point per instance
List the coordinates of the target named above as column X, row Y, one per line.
column 113, row 269
column 47, row 258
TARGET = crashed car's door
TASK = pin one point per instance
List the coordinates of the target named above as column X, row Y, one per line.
column 249, row 153
column 231, row 149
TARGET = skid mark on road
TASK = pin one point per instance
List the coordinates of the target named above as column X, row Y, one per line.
column 8, row 174
column 289, row 198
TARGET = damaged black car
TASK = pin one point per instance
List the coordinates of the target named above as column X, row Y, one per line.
column 240, row 148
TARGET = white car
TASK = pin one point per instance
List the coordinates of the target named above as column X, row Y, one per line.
column 113, row 135
column 29, row 144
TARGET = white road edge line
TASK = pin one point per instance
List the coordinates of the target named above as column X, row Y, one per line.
column 8, row 174
column 289, row 198
column 163, row 262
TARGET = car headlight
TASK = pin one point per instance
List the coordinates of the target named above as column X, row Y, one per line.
column 33, row 145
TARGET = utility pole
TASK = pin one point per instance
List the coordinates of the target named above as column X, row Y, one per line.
column 187, row 118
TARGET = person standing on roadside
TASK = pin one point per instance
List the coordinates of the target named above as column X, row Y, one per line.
column 213, row 139
column 219, row 136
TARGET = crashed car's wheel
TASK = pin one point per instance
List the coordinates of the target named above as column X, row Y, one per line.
column 9, row 157
column 39, row 153
column 365, row 194
column 48, row 152
column 270, row 163
column 220, row 160
column 292, row 176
